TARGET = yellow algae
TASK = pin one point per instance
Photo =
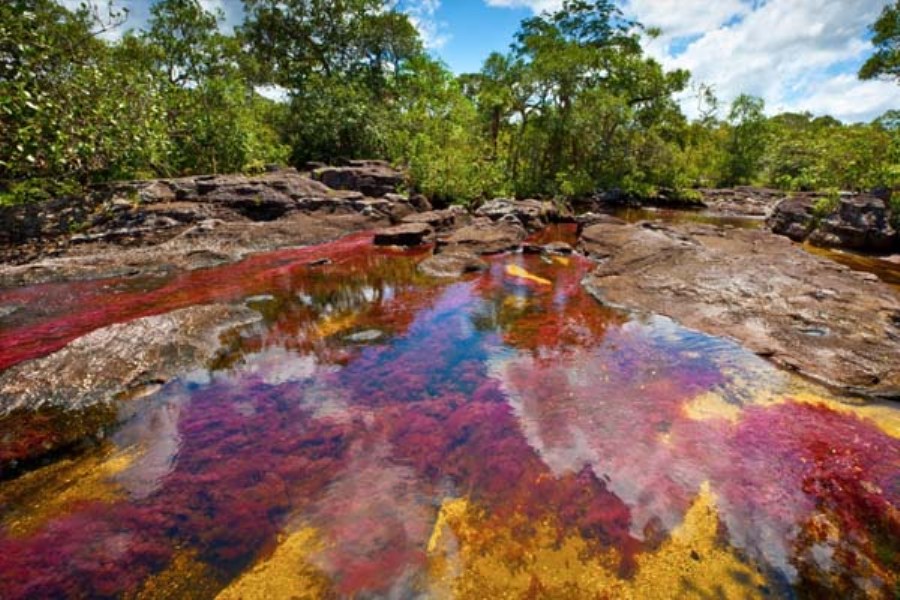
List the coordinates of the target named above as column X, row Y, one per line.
column 46, row 493
column 519, row 272
column 711, row 405
column 473, row 557
column 515, row 302
column 186, row 577
column 883, row 415
column 287, row 573
column 562, row 260
column 333, row 324
column 693, row 562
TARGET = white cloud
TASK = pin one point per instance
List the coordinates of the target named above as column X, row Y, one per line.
column 796, row 54
column 422, row 14
column 535, row 5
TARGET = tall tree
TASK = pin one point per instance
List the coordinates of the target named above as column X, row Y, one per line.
column 885, row 63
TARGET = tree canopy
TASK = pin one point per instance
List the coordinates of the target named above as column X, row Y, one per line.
column 574, row 107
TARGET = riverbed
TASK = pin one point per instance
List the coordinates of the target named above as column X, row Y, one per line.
column 374, row 432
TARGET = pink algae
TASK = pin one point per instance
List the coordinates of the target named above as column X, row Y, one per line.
column 527, row 400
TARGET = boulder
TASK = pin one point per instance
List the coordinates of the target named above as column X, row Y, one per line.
column 438, row 219
column 793, row 217
column 484, row 236
column 532, row 214
column 372, row 178
column 860, row 222
column 408, row 234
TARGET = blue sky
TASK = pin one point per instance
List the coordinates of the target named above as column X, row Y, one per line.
column 798, row 55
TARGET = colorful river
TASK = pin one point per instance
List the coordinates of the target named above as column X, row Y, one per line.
column 382, row 434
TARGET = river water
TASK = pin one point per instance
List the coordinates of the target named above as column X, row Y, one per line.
column 381, row 434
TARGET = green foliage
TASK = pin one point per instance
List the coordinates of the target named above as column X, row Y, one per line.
column 573, row 108
column 885, row 62
column 827, row 204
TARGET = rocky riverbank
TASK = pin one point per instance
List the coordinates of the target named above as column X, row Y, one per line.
column 807, row 314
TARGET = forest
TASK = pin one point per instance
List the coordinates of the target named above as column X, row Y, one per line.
column 574, row 108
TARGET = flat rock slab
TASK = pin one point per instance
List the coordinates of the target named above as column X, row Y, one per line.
column 484, row 236
column 451, row 264
column 76, row 390
column 805, row 313
column 409, row 234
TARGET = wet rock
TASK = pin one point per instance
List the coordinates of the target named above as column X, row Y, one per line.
column 409, row 234
column 558, row 249
column 484, row 236
column 759, row 289
column 362, row 337
column 451, row 264
column 532, row 214
column 372, row 178
column 105, row 366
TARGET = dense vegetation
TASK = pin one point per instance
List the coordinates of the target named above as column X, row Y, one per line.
column 574, row 107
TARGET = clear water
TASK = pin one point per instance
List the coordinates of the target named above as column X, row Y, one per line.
column 381, row 434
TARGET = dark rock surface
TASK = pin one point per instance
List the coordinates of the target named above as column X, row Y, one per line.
column 408, row 234
column 859, row 222
column 370, row 177
column 805, row 313
column 148, row 227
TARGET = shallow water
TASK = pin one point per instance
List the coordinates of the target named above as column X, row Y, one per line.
column 381, row 434
column 633, row 215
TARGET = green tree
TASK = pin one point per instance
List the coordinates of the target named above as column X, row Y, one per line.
column 747, row 140
column 885, row 62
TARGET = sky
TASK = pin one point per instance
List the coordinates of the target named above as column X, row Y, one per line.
column 798, row 55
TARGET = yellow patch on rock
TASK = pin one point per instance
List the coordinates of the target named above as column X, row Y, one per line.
column 520, row 273
column 472, row 557
column 287, row 573
column 712, row 406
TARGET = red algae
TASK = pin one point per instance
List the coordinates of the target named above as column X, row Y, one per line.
column 370, row 396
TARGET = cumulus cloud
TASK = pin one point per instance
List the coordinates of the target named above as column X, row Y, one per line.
column 798, row 55
column 423, row 15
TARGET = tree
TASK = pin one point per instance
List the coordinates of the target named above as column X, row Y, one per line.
column 885, row 63
column 747, row 142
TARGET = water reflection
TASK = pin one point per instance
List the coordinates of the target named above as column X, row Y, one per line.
column 500, row 435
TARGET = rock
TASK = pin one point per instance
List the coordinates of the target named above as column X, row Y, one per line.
column 409, row 234
column 759, row 289
column 558, row 249
column 372, row 178
column 483, row 236
column 532, row 214
column 793, row 217
column 157, row 191
column 451, row 264
column 92, row 373
column 437, row 219
column 860, row 222
column 420, row 203
column 362, row 337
